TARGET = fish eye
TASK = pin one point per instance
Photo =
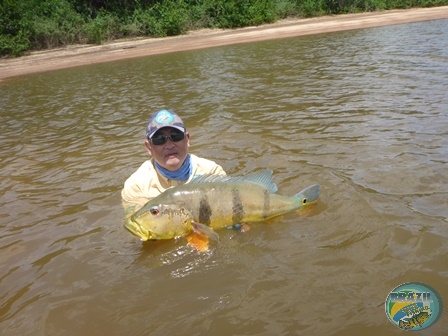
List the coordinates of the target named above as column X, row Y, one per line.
column 154, row 211
column 304, row 201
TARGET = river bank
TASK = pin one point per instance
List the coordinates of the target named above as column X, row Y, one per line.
column 78, row 55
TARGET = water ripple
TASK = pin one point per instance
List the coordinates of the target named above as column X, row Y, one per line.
column 363, row 113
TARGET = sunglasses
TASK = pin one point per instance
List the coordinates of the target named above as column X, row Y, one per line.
column 162, row 139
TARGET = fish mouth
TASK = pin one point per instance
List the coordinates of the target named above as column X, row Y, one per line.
column 136, row 229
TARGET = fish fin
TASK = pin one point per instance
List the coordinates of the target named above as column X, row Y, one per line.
column 262, row 178
column 207, row 178
column 200, row 236
column 204, row 230
column 308, row 194
column 244, row 228
column 198, row 241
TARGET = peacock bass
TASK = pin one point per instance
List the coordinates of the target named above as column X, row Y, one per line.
column 211, row 202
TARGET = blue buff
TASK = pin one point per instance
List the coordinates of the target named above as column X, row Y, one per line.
column 182, row 174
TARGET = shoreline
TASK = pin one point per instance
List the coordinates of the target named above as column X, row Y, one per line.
column 78, row 55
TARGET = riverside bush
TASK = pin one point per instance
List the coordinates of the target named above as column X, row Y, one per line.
column 42, row 24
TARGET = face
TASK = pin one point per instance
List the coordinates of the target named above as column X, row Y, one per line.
column 171, row 155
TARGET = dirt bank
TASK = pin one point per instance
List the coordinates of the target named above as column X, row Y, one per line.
column 78, row 55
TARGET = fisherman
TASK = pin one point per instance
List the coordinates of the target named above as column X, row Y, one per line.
column 167, row 142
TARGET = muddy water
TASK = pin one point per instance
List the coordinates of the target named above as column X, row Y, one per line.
column 363, row 113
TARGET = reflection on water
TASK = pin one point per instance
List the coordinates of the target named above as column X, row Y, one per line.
column 363, row 113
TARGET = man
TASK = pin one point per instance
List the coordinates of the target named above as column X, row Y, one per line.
column 167, row 141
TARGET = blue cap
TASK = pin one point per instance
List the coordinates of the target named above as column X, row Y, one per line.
column 161, row 119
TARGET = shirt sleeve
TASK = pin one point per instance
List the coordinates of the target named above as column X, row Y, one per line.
column 131, row 190
column 205, row 166
column 136, row 186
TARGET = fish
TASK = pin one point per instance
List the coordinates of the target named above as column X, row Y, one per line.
column 416, row 320
column 212, row 202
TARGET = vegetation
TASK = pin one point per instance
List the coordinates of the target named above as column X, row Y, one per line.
column 42, row 24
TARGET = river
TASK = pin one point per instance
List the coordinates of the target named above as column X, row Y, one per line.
column 363, row 113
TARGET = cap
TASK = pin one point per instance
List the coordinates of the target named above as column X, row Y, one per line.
column 161, row 119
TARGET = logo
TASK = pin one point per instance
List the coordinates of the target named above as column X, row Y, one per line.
column 164, row 117
column 414, row 306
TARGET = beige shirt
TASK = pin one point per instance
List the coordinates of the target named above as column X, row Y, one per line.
column 147, row 183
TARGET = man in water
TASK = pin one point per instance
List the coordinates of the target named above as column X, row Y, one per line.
column 167, row 142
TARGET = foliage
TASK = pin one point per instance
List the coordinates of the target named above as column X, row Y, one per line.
column 104, row 26
column 168, row 18
column 239, row 13
column 309, row 8
column 13, row 33
column 41, row 24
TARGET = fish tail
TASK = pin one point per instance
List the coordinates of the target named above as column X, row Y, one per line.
column 308, row 195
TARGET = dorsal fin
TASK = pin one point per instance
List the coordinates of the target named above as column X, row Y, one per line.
column 262, row 178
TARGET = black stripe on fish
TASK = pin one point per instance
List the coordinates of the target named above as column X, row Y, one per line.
column 205, row 211
column 237, row 208
column 266, row 204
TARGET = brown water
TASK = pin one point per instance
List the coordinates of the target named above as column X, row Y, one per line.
column 363, row 113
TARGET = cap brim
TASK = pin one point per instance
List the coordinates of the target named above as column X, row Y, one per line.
column 167, row 126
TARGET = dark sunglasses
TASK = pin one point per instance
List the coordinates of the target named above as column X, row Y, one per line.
column 162, row 139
